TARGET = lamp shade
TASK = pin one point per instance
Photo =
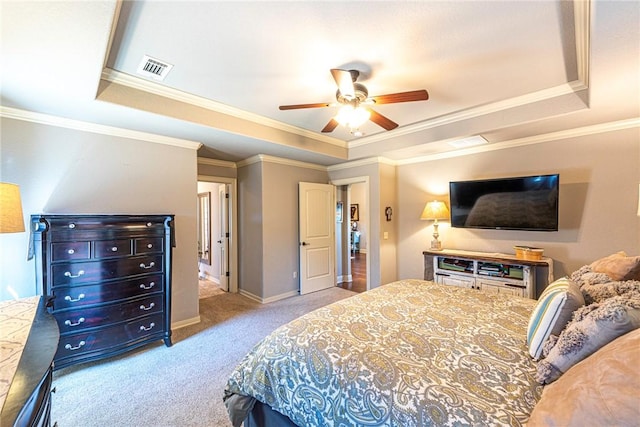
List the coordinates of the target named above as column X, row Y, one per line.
column 11, row 220
column 435, row 210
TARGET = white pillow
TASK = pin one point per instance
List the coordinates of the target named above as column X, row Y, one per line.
column 552, row 313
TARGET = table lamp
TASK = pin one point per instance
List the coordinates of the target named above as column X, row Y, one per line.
column 434, row 211
column 11, row 220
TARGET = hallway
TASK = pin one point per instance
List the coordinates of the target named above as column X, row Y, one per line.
column 358, row 273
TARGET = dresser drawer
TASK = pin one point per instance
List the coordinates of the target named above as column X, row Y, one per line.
column 148, row 245
column 69, row 274
column 104, row 339
column 66, row 251
column 111, row 248
column 91, row 227
column 81, row 296
column 86, row 318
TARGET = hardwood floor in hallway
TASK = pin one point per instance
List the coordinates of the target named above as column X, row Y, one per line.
column 358, row 274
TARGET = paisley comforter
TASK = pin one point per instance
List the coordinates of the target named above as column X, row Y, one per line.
column 410, row 353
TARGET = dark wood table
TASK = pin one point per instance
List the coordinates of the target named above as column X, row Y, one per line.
column 29, row 398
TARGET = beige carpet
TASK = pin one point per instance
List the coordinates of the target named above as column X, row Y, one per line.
column 207, row 288
column 181, row 385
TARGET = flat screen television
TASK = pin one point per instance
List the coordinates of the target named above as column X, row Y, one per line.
column 519, row 203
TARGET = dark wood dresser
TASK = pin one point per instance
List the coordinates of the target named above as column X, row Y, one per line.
column 28, row 402
column 108, row 281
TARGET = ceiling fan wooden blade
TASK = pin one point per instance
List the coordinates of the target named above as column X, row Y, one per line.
column 414, row 95
column 344, row 80
column 381, row 120
column 298, row 106
column 330, row 126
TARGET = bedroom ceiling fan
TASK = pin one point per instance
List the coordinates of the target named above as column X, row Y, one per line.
column 355, row 103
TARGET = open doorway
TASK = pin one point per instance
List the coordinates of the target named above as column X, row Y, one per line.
column 352, row 234
column 217, row 258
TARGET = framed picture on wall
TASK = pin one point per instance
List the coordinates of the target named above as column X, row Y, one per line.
column 339, row 212
column 355, row 212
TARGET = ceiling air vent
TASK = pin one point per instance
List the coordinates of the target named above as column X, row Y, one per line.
column 154, row 68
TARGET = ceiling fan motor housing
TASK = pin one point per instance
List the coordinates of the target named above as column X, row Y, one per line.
column 360, row 91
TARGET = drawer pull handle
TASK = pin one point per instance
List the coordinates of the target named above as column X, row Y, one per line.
column 149, row 246
column 114, row 249
column 151, row 285
column 70, row 323
column 68, row 274
column 72, row 225
column 142, row 328
column 142, row 307
column 71, row 251
column 149, row 224
column 70, row 347
column 146, row 267
column 68, row 298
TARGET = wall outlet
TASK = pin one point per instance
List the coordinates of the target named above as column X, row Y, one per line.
column 295, row 274
column 385, row 235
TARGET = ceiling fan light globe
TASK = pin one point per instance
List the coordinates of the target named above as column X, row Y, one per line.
column 351, row 117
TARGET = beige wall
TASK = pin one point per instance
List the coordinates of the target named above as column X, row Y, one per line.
column 388, row 229
column 250, row 229
column 280, row 216
column 599, row 176
column 61, row 170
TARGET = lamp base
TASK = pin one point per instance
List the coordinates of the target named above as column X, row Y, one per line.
column 436, row 245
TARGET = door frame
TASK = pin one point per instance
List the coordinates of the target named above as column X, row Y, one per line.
column 233, row 225
column 358, row 180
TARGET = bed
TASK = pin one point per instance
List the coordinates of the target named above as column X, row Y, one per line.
column 415, row 353
column 410, row 353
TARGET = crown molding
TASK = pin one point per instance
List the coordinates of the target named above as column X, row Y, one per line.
column 263, row 158
column 216, row 162
column 542, row 95
column 47, row 119
column 133, row 82
column 530, row 140
column 363, row 162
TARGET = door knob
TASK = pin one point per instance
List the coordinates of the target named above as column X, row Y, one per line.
column 304, row 244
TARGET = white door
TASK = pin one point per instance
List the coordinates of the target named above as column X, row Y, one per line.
column 223, row 238
column 316, row 219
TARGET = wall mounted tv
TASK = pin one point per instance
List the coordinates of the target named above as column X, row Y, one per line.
column 519, row 203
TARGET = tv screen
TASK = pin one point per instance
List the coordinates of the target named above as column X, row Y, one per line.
column 520, row 203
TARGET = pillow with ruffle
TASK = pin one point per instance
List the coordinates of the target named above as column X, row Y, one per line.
column 592, row 327
column 618, row 266
column 600, row 292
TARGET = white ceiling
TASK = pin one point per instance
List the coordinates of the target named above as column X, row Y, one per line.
column 508, row 70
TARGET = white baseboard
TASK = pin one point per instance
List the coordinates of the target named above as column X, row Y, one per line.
column 261, row 300
column 185, row 322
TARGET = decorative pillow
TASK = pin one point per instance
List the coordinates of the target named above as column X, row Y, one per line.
column 599, row 293
column 601, row 390
column 586, row 276
column 592, row 327
column 552, row 313
column 618, row 266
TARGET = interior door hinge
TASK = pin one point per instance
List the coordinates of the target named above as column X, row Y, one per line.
column 226, row 195
column 226, row 274
column 226, row 235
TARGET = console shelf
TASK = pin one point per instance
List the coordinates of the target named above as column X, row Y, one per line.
column 489, row 272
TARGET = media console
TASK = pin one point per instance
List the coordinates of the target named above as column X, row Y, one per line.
column 489, row 272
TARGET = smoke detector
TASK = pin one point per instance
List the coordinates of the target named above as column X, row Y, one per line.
column 154, row 68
